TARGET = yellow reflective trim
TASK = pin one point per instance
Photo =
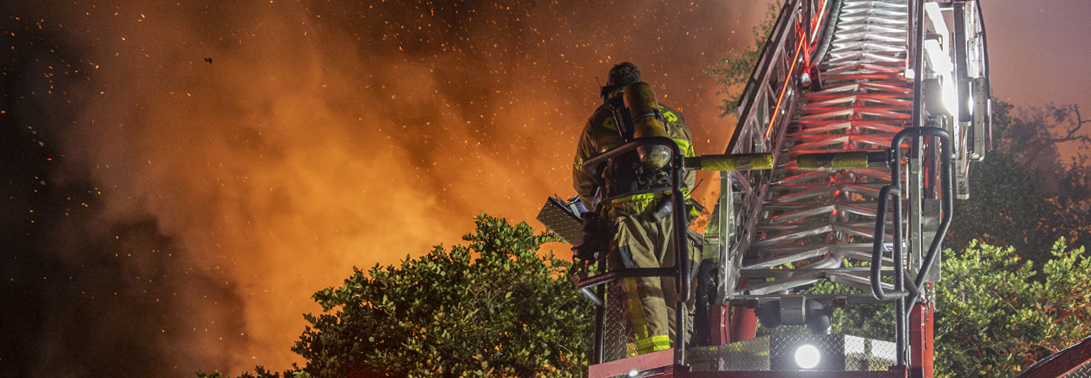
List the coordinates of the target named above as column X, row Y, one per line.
column 578, row 163
column 685, row 147
column 637, row 197
column 610, row 124
column 662, row 342
column 670, row 116
column 653, row 344
column 648, row 197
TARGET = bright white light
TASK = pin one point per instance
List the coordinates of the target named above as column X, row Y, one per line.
column 807, row 356
column 970, row 100
column 633, row 373
column 950, row 95
column 936, row 17
column 937, row 57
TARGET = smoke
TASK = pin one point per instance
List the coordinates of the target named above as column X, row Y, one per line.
column 181, row 177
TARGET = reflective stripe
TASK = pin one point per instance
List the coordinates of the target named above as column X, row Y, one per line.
column 647, row 197
column 610, row 124
column 578, row 163
column 652, row 344
column 685, row 147
column 669, row 115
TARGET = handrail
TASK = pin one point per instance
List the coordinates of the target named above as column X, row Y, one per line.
column 904, row 302
column 947, row 190
column 586, row 284
column 679, row 164
column 880, row 234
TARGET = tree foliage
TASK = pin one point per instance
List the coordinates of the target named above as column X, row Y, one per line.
column 491, row 308
column 260, row 372
column 733, row 72
column 997, row 315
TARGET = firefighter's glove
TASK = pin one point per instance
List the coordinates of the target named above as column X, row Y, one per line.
column 596, row 236
column 663, row 208
column 665, row 205
column 693, row 210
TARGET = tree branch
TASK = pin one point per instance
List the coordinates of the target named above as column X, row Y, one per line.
column 1071, row 136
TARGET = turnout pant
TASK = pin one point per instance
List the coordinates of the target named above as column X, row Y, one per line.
column 641, row 241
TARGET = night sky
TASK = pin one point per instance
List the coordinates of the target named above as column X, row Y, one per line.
column 1040, row 51
column 177, row 179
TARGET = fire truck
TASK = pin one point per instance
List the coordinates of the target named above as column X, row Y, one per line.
column 855, row 134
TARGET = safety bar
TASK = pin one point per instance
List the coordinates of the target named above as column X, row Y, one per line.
column 877, row 249
column 729, row 162
column 835, row 161
column 586, row 284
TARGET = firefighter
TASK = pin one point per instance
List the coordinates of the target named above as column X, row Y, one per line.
column 633, row 201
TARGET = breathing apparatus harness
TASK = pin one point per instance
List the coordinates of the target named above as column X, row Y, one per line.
column 628, row 174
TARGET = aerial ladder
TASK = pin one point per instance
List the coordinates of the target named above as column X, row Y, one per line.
column 854, row 136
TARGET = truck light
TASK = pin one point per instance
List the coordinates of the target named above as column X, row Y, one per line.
column 807, row 356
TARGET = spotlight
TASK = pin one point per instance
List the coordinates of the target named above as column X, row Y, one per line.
column 807, row 356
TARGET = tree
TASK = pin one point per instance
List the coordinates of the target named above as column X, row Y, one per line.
column 491, row 308
column 1022, row 195
column 732, row 72
column 999, row 316
column 260, row 372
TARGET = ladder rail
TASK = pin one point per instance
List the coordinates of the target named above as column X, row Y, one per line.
column 769, row 92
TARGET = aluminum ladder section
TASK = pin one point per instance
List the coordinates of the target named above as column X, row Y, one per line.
column 792, row 216
column 865, row 99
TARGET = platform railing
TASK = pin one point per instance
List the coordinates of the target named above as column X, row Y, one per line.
column 678, row 241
